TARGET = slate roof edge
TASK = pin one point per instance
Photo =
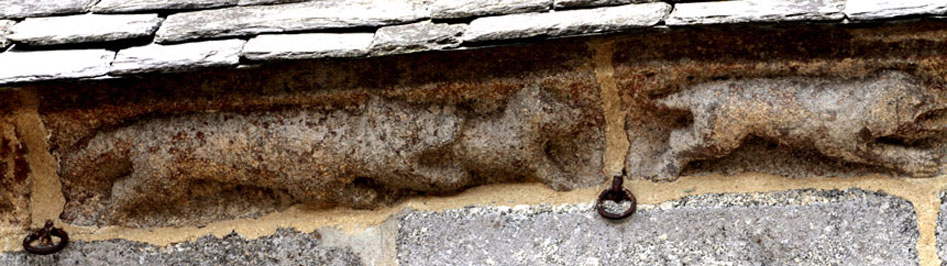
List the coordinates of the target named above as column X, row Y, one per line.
column 230, row 33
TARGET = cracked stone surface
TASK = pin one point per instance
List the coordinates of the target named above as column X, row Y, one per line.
column 448, row 9
column 593, row 3
column 120, row 6
column 314, row 15
column 416, row 37
column 38, row 8
column 309, row 45
column 883, row 9
column 267, row 2
column 22, row 66
column 286, row 247
column 755, row 11
column 84, row 28
column 604, row 19
column 176, row 57
column 795, row 227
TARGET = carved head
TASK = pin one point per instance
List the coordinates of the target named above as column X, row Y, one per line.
column 926, row 113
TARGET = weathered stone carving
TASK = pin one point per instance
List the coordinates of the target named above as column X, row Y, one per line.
column 357, row 156
column 14, row 169
column 870, row 121
column 8, row 168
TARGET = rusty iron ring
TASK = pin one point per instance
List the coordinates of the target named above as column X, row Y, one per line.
column 44, row 236
column 616, row 193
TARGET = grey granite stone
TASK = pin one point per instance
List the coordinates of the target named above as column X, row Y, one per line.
column 252, row 20
column 84, row 28
column 755, row 11
column 114, row 6
column 592, row 3
column 941, row 232
column 286, row 247
column 35, row 8
column 604, row 19
column 477, row 8
column 882, row 9
column 416, row 37
column 5, row 26
column 47, row 65
column 310, row 45
column 164, row 58
column 797, row 227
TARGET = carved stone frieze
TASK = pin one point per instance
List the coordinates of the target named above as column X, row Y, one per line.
column 800, row 102
column 359, row 156
column 866, row 121
column 322, row 134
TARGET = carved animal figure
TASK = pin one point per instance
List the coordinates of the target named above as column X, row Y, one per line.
column 348, row 156
column 840, row 118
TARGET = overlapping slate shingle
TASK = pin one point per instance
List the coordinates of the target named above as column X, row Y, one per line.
column 755, row 11
column 604, row 19
column 37, row 8
column 416, row 37
column 252, row 20
column 84, row 28
column 309, row 45
column 176, row 57
column 47, row 65
column 112, row 6
column 396, row 24
column 267, row 2
column 5, row 26
column 587, row 3
column 476, row 8
column 883, row 9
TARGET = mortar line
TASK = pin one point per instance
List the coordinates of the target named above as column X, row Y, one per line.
column 616, row 140
column 304, row 219
column 46, row 198
column 927, row 208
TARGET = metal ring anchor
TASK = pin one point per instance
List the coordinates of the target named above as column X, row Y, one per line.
column 44, row 237
column 616, row 193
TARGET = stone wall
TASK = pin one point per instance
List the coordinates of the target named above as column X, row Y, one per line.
column 799, row 143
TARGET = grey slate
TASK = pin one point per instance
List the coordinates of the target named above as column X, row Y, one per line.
column 253, row 20
column 84, row 28
column 48, row 65
column 755, row 11
column 114, row 6
column 593, row 3
column 5, row 26
column 796, row 227
column 286, row 247
column 446, row 9
column 176, row 57
column 883, row 9
column 603, row 19
column 267, row 2
column 416, row 37
column 36, row 8
column 305, row 46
